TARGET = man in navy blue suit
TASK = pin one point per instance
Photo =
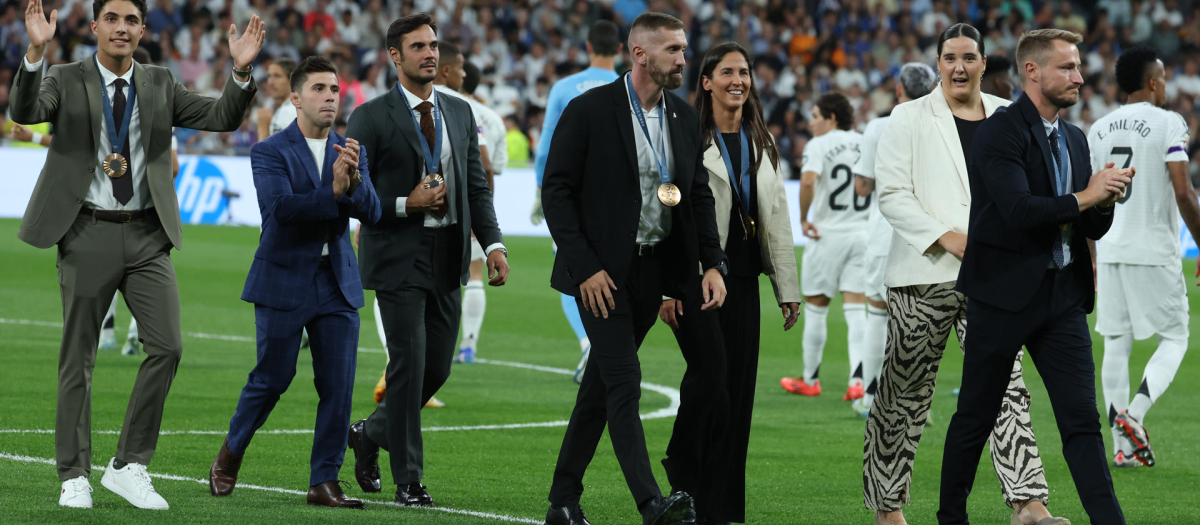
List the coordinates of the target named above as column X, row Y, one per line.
column 310, row 182
column 1027, row 274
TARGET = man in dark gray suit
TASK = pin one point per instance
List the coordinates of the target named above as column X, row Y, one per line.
column 106, row 198
column 434, row 192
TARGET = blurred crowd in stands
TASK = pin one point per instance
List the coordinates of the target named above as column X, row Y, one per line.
column 802, row 49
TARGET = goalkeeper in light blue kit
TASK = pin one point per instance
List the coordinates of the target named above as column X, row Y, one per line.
column 603, row 46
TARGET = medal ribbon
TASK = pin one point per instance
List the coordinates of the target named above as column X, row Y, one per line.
column 742, row 193
column 117, row 138
column 664, row 173
column 432, row 159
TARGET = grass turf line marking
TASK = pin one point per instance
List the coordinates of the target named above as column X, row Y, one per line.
column 669, row 411
column 472, row 513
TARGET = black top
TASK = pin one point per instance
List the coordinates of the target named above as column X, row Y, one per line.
column 966, row 134
column 745, row 259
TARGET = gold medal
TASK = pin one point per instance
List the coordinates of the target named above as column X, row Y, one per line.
column 669, row 195
column 115, row 165
column 748, row 222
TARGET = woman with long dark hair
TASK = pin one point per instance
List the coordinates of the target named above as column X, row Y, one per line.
column 707, row 454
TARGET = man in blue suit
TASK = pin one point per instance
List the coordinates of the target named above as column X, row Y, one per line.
column 305, row 275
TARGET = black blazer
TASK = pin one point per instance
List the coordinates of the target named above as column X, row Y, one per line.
column 385, row 129
column 592, row 199
column 1016, row 212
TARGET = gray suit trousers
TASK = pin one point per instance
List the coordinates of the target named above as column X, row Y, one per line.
column 96, row 258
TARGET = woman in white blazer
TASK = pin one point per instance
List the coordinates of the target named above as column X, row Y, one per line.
column 707, row 454
column 924, row 192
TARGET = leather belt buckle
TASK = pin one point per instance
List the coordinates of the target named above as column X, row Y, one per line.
column 122, row 216
column 646, row 250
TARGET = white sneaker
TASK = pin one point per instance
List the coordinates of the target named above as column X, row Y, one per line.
column 76, row 493
column 133, row 484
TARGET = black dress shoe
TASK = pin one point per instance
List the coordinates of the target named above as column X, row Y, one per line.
column 566, row 515
column 366, row 460
column 667, row 511
column 413, row 495
column 689, row 515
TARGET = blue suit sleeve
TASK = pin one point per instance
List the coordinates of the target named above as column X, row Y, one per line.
column 364, row 204
column 273, row 183
column 554, row 109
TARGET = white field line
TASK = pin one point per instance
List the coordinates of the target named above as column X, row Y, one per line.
column 472, row 513
column 668, row 411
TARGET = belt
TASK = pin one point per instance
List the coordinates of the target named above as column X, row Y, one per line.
column 646, row 250
column 115, row 215
column 324, row 263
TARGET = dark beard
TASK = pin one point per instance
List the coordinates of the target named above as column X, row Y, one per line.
column 664, row 79
column 1060, row 101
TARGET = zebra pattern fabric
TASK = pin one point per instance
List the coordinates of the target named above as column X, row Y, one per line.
column 920, row 319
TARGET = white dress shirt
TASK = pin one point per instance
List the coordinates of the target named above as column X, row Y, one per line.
column 318, row 150
column 431, row 220
column 100, row 193
column 654, row 225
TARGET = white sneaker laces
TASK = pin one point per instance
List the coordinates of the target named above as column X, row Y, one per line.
column 140, row 477
column 77, row 487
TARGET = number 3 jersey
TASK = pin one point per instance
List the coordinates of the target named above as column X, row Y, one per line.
column 1145, row 229
column 836, row 207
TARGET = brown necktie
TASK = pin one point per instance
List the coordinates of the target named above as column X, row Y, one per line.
column 427, row 129
column 122, row 187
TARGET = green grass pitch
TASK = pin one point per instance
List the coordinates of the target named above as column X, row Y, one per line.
column 805, row 460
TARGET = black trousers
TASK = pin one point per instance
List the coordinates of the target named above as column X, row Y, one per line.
column 611, row 389
column 707, row 453
column 420, row 320
column 1054, row 329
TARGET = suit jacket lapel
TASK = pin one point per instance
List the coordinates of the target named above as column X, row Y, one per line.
column 679, row 175
column 625, row 123
column 330, row 156
column 944, row 122
column 1080, row 163
column 714, row 163
column 1038, row 130
column 404, row 122
column 300, row 146
column 146, row 102
column 450, row 119
column 92, row 82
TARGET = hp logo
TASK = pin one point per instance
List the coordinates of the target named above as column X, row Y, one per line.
column 199, row 188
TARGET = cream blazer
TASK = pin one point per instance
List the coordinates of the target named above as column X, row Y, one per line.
column 774, row 223
column 924, row 191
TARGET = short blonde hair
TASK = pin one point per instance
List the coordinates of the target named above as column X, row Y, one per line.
column 1035, row 46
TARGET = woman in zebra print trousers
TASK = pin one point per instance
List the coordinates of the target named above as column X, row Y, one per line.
column 925, row 195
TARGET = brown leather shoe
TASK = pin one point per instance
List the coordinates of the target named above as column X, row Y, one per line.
column 222, row 475
column 366, row 461
column 330, row 494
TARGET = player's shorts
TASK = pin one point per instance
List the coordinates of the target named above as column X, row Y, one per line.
column 832, row 264
column 476, row 250
column 874, row 268
column 1142, row 300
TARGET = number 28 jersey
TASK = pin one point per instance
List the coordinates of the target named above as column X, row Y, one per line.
column 1145, row 229
column 836, row 206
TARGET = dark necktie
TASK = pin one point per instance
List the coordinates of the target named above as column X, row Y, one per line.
column 1057, row 250
column 122, row 186
column 430, row 132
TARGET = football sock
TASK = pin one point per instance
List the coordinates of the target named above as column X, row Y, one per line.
column 1160, row 371
column 474, row 305
column 856, row 319
column 815, row 333
column 1115, row 379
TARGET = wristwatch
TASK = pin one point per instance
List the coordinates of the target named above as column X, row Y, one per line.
column 723, row 267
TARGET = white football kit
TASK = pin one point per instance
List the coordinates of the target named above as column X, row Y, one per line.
column 1140, row 278
column 834, row 263
column 879, row 230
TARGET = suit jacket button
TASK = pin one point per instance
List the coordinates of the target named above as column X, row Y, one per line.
column 92, row 170
column 78, row 201
column 632, row 232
